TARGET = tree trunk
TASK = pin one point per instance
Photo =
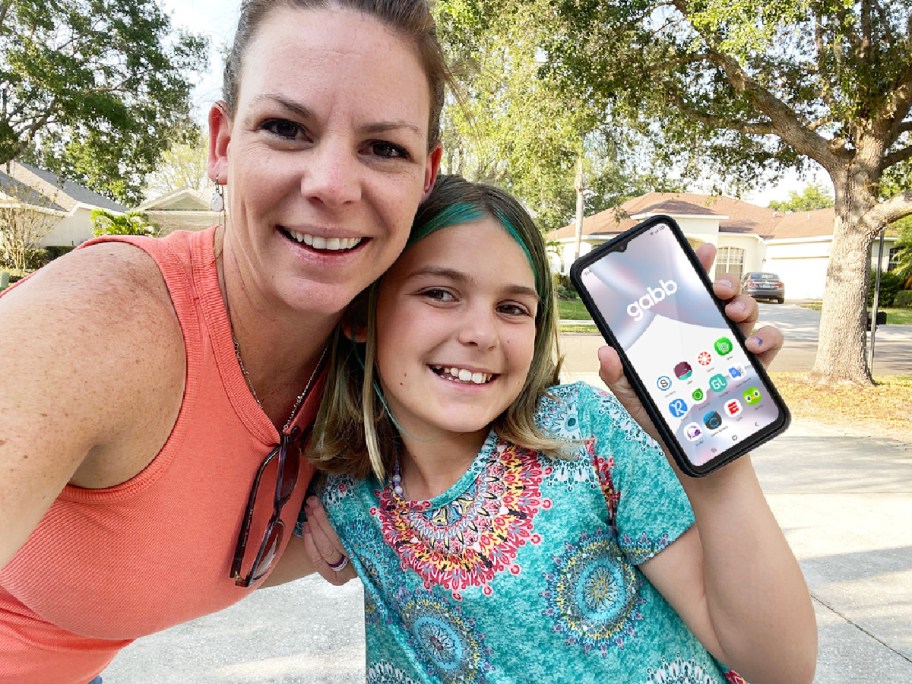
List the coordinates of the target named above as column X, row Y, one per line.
column 841, row 351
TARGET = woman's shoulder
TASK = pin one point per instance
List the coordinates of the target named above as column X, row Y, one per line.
column 101, row 317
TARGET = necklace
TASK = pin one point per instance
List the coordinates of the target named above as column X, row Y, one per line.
column 301, row 396
column 396, row 477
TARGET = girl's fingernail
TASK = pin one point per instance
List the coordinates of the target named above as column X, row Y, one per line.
column 726, row 283
column 757, row 341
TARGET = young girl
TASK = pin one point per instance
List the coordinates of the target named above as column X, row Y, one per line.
column 509, row 529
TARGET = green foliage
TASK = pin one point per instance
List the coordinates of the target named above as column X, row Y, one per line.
column 563, row 289
column 182, row 167
column 813, row 197
column 890, row 284
column 903, row 299
column 57, row 251
column 904, row 266
column 514, row 126
column 130, row 223
column 93, row 90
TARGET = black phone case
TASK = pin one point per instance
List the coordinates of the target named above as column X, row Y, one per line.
column 633, row 377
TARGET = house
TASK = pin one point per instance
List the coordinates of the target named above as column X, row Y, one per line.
column 795, row 246
column 67, row 205
column 179, row 210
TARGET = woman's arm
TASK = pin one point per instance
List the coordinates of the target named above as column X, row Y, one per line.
column 732, row 577
column 91, row 378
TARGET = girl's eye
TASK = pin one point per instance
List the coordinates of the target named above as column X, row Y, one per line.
column 388, row 150
column 282, row 128
column 439, row 295
column 513, row 309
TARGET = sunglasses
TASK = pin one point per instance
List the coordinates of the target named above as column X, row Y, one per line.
column 288, row 453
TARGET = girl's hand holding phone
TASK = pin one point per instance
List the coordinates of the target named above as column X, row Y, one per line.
column 681, row 361
column 741, row 309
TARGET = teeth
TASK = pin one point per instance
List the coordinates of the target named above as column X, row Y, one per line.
column 325, row 244
column 464, row 375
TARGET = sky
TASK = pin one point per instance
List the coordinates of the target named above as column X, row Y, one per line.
column 217, row 19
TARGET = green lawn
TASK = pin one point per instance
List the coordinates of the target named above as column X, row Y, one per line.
column 894, row 316
column 572, row 310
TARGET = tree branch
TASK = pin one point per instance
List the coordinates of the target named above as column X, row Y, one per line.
column 784, row 121
column 897, row 157
column 892, row 209
column 5, row 6
column 819, row 44
column 898, row 106
column 746, row 127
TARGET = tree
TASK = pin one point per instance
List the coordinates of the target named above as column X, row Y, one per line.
column 812, row 197
column 94, row 90
column 756, row 87
column 130, row 223
column 182, row 167
column 903, row 267
column 512, row 125
column 25, row 218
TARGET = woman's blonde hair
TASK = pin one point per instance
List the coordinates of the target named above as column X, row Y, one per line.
column 354, row 432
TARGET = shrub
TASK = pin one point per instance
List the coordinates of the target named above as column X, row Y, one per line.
column 55, row 251
column 903, row 299
column 562, row 287
column 35, row 258
column 890, row 284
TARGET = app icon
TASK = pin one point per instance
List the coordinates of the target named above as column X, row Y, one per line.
column 733, row 407
column 663, row 383
column 683, row 370
column 698, row 395
column 752, row 396
column 704, row 358
column 735, row 372
column 712, row 420
column 717, row 383
column 723, row 346
column 693, row 432
column 677, row 408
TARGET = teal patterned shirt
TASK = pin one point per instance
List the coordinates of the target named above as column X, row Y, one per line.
column 525, row 570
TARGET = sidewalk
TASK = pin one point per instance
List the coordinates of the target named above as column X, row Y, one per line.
column 843, row 498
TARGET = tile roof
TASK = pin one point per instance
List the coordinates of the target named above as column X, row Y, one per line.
column 735, row 216
column 25, row 194
column 76, row 192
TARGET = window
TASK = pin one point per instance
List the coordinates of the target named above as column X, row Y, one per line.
column 730, row 260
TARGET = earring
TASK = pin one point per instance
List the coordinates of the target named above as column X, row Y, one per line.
column 217, row 201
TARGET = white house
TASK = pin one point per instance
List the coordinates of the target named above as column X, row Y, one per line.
column 179, row 210
column 69, row 204
column 748, row 238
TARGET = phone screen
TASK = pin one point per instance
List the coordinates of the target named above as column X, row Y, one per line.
column 680, row 346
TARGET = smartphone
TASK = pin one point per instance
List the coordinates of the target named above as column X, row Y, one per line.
column 710, row 399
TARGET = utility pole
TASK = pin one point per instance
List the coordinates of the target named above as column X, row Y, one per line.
column 579, row 185
column 876, row 302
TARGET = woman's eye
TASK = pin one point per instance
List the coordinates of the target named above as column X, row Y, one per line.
column 282, row 128
column 388, row 150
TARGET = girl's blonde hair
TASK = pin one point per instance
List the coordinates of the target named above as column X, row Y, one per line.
column 355, row 432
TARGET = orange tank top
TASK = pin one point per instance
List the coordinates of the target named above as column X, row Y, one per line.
column 104, row 567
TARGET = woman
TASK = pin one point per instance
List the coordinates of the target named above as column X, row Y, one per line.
column 154, row 398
